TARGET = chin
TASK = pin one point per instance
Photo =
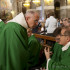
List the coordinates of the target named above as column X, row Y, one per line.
column 60, row 43
column 32, row 27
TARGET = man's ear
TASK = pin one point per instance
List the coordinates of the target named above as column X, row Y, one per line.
column 27, row 18
column 68, row 39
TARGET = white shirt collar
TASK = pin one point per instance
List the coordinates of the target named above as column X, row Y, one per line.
column 0, row 20
column 20, row 19
column 66, row 46
column 51, row 16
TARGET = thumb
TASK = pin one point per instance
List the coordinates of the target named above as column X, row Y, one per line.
column 48, row 49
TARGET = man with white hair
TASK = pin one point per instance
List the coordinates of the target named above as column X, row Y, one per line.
column 14, row 53
column 64, row 62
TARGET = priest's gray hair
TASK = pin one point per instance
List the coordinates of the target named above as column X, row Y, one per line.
column 29, row 13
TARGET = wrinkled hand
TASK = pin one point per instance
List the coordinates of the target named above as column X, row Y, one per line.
column 43, row 69
column 47, row 53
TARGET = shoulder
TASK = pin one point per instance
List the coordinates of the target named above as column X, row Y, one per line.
column 47, row 19
column 54, row 18
column 57, row 45
column 14, row 26
column 32, row 37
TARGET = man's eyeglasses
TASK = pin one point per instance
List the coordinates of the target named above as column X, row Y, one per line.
column 57, row 38
column 36, row 21
column 63, row 35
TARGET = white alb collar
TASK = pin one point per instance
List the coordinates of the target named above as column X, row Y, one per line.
column 0, row 20
column 20, row 19
column 66, row 46
column 32, row 34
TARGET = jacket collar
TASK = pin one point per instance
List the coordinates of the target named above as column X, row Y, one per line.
column 0, row 20
column 66, row 46
column 51, row 16
column 20, row 19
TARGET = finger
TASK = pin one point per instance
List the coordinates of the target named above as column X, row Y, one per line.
column 48, row 49
column 45, row 49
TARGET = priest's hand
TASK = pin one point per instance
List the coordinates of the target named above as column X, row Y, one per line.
column 47, row 53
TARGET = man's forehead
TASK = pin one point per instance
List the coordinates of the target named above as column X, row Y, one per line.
column 62, row 31
column 36, row 15
column 31, row 16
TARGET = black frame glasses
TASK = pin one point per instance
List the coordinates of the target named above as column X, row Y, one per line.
column 57, row 38
column 63, row 35
column 36, row 21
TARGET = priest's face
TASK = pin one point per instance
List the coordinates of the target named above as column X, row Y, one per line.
column 64, row 38
column 57, row 38
column 32, row 21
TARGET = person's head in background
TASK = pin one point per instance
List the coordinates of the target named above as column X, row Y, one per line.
column 65, row 21
column 58, row 19
column 68, row 22
column 52, row 14
column 29, row 32
column 65, row 35
column 68, row 19
column 32, row 18
column 57, row 33
column 47, row 16
column 61, row 21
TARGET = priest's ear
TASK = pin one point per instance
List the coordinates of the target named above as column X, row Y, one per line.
column 68, row 35
column 68, row 38
column 27, row 18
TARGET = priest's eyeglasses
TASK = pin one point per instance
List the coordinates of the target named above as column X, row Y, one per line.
column 63, row 35
column 36, row 21
column 57, row 38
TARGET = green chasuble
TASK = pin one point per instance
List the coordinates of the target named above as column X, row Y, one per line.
column 63, row 63
column 57, row 52
column 13, row 47
column 34, row 51
column 2, row 24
